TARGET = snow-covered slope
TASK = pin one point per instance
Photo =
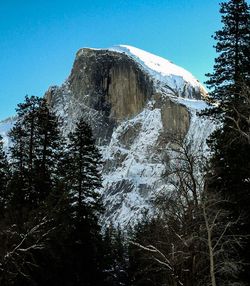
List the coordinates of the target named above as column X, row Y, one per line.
column 166, row 75
column 5, row 127
column 158, row 67
column 135, row 102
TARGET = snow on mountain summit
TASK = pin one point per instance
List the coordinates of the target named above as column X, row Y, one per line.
column 162, row 70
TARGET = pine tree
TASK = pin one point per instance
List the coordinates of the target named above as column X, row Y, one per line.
column 37, row 205
column 83, row 179
column 35, row 152
column 230, row 162
column 229, row 167
column 50, row 148
column 232, row 65
column 83, row 171
column 23, row 152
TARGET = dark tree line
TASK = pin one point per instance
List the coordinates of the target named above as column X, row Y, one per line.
column 229, row 169
column 50, row 207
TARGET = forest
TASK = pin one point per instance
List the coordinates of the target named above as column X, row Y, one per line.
column 51, row 224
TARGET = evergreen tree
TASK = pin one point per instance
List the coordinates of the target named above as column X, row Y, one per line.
column 38, row 205
column 82, row 181
column 35, row 153
column 58, row 188
column 229, row 167
column 83, row 171
column 23, row 153
column 230, row 163
column 232, row 65
column 49, row 151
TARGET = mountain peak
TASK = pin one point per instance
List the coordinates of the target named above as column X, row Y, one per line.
column 135, row 102
column 166, row 75
column 158, row 66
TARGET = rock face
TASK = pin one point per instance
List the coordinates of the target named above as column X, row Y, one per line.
column 135, row 102
column 112, row 80
column 110, row 87
column 109, row 84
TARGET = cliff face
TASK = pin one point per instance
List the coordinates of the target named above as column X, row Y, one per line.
column 108, row 87
column 113, row 81
column 135, row 102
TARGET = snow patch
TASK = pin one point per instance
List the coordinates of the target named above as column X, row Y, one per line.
column 5, row 127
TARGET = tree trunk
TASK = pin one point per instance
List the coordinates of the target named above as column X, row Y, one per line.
column 210, row 248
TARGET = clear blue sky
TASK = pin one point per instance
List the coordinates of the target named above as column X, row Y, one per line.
column 39, row 39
